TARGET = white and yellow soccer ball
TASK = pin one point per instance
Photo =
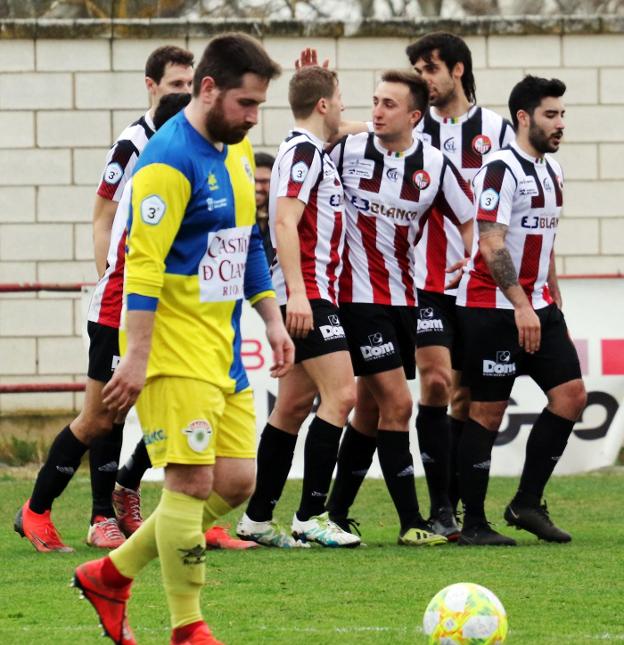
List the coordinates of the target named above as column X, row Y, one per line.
column 465, row 613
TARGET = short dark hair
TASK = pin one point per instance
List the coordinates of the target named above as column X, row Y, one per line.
column 168, row 106
column 159, row 58
column 229, row 57
column 529, row 92
column 307, row 86
column 452, row 50
column 264, row 160
column 419, row 92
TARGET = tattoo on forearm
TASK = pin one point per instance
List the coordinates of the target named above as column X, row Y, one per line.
column 491, row 228
column 502, row 268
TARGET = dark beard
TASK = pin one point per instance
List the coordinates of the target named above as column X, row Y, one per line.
column 218, row 128
column 539, row 140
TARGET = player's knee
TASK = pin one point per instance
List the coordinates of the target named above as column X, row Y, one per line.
column 397, row 410
column 489, row 415
column 88, row 429
column 296, row 409
column 435, row 386
column 238, row 491
column 571, row 400
column 344, row 400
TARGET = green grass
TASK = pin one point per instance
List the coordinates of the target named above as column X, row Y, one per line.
column 554, row 594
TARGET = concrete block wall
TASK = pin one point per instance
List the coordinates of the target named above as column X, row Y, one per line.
column 67, row 88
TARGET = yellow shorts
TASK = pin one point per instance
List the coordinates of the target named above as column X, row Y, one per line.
column 186, row 421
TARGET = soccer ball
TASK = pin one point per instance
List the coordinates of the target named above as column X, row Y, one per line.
column 465, row 613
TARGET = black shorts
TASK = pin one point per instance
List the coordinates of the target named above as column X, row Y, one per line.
column 437, row 324
column 493, row 358
column 103, row 351
column 326, row 337
column 381, row 337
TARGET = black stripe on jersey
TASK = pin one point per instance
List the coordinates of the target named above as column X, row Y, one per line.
column 471, row 129
column 341, row 145
column 463, row 184
column 432, row 128
column 414, row 163
column 556, row 180
column 143, row 123
column 528, row 167
column 123, row 151
column 503, row 132
column 373, row 184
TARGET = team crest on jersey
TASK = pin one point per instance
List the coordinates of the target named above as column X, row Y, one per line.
column 198, row 434
column 421, row 179
column 113, row 173
column 299, row 172
column 559, row 181
column 213, row 183
column 482, row 144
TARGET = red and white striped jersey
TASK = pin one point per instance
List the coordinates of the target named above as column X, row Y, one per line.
column 388, row 199
column 303, row 170
column 525, row 194
column 467, row 141
column 105, row 307
column 107, row 299
column 122, row 157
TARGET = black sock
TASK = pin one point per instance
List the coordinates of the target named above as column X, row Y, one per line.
column 475, row 455
column 103, row 463
column 131, row 473
column 319, row 460
column 397, row 467
column 456, row 431
column 547, row 441
column 354, row 459
column 275, row 455
column 434, row 440
column 62, row 462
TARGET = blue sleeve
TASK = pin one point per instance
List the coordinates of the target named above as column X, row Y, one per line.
column 257, row 275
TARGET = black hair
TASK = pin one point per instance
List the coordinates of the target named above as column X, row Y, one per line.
column 529, row 92
column 229, row 57
column 451, row 50
column 168, row 106
column 264, row 160
column 159, row 58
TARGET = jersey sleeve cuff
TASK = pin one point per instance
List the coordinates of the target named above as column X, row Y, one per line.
column 261, row 296
column 137, row 302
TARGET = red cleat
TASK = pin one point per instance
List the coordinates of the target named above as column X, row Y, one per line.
column 127, row 505
column 110, row 602
column 218, row 538
column 40, row 530
column 195, row 634
column 105, row 534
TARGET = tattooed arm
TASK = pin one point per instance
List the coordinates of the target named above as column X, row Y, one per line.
column 498, row 259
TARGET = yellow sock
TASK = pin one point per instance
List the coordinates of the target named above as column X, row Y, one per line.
column 138, row 549
column 181, row 549
column 214, row 508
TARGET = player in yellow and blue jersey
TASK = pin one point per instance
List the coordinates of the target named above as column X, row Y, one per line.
column 193, row 253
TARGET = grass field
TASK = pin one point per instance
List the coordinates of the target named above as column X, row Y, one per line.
column 554, row 594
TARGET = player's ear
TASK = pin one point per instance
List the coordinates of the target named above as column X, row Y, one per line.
column 321, row 105
column 207, row 87
column 458, row 70
column 150, row 84
column 524, row 118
